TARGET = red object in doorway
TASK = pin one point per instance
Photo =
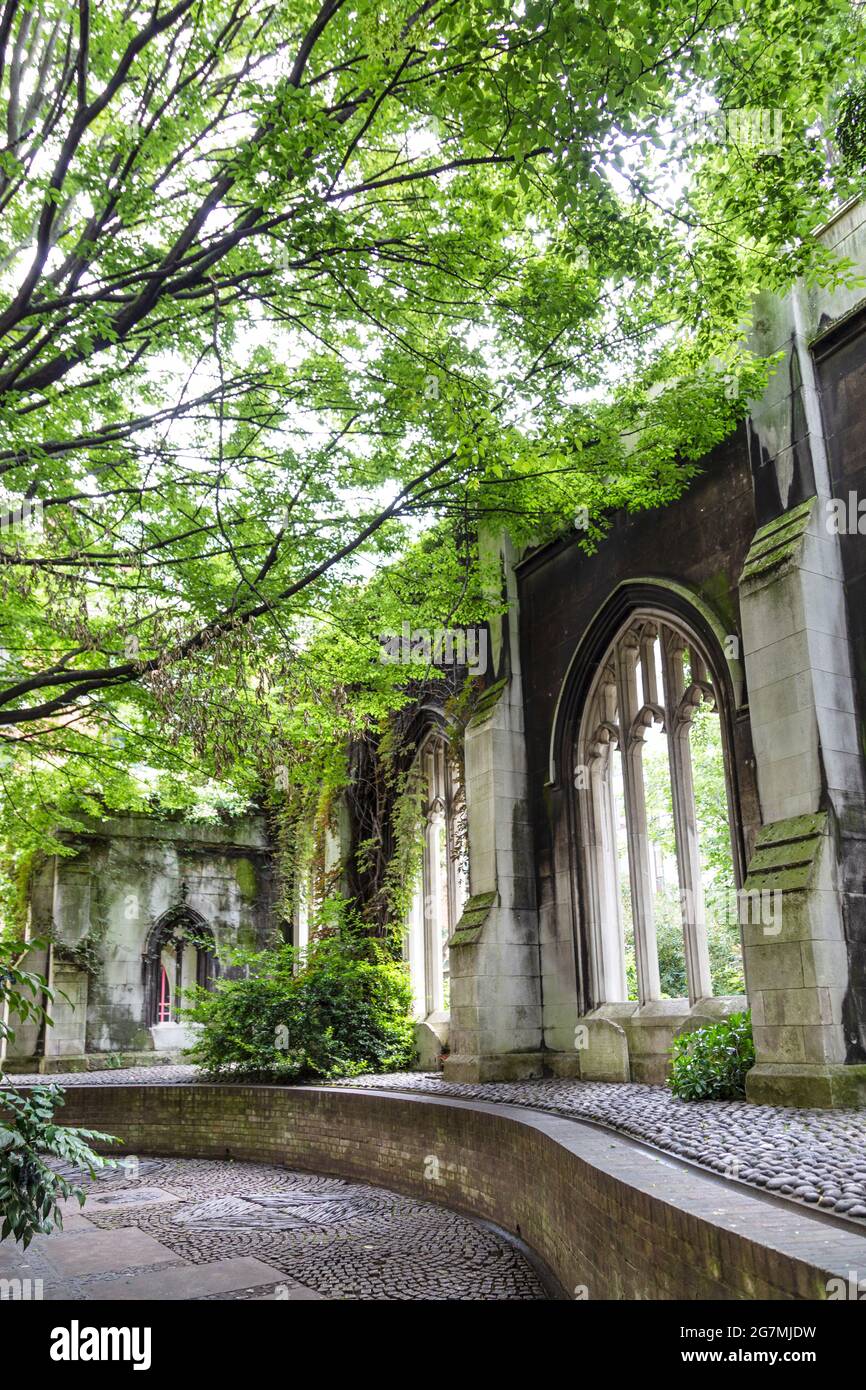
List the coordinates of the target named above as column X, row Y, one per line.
column 163, row 1014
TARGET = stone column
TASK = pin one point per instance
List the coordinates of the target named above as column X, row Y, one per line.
column 71, row 916
column 495, row 1030
column 810, row 778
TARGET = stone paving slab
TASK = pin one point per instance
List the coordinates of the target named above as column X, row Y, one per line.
column 284, row 1292
column 74, row 1221
column 102, row 1252
column 188, row 1281
column 814, row 1157
column 114, row 1198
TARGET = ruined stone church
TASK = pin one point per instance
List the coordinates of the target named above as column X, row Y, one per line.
column 726, row 632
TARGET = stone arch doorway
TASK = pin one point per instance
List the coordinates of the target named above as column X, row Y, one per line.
column 179, row 952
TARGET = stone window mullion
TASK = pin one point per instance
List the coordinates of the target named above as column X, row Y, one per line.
column 599, row 840
column 439, row 895
column 685, row 817
column 432, row 923
column 611, row 955
column 639, row 861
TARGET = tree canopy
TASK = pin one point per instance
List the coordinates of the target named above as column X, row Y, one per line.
column 296, row 297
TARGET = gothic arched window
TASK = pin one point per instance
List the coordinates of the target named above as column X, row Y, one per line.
column 179, row 953
column 655, row 822
column 442, row 886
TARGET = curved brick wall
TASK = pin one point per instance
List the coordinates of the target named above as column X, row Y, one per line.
column 606, row 1216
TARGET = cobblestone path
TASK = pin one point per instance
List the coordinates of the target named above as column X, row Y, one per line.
column 155, row 1228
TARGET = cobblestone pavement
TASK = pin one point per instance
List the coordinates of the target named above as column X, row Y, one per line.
column 156, row 1228
column 817, row 1157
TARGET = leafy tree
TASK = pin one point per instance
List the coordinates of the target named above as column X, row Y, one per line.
column 285, row 285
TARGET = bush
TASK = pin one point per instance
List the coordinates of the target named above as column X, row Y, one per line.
column 711, row 1063
column 342, row 1009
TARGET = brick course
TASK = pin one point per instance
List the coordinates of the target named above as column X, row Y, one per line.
column 600, row 1211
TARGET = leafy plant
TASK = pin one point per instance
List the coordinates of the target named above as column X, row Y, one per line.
column 30, row 1189
column 339, row 1009
column 711, row 1063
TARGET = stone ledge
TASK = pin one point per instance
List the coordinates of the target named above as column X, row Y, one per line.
column 472, row 919
column 785, row 854
column 776, row 545
column 609, row 1218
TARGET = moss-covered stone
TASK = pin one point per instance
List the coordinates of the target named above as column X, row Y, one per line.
column 794, row 828
column 475, row 914
column 785, row 855
column 245, row 876
column 776, row 544
column 488, row 701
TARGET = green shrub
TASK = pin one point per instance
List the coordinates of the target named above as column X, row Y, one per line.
column 342, row 1009
column 711, row 1063
column 30, row 1189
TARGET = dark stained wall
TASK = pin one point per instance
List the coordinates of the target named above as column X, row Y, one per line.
column 840, row 359
column 700, row 542
column 841, row 367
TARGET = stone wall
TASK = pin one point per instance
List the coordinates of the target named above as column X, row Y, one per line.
column 747, row 560
column 98, row 906
column 610, row 1219
column 683, row 558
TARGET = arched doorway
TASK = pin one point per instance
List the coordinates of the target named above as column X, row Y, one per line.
column 179, row 953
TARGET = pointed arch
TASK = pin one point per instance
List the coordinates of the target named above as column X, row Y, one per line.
column 650, row 665
column 168, row 941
